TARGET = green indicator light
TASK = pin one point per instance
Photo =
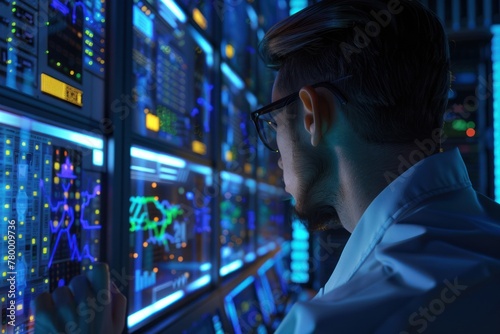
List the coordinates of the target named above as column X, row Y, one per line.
column 58, row 64
column 47, row 23
column 9, row 39
column 14, row 10
column 459, row 125
column 13, row 31
column 78, row 75
column 13, row 24
column 471, row 125
column 46, row 51
column 91, row 62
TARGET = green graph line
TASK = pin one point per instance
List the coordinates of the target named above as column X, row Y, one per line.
column 140, row 217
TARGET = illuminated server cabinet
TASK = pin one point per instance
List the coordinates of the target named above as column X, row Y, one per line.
column 125, row 137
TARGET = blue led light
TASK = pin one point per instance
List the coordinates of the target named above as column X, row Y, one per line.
column 297, row 5
column 143, row 169
column 232, row 76
column 252, row 15
column 231, row 177
column 25, row 123
column 266, row 249
column 495, row 55
column 142, row 22
column 199, row 283
column 157, row 157
column 146, row 312
column 98, row 158
column 229, row 268
column 252, row 100
column 250, row 257
column 172, row 6
column 204, row 45
column 206, row 266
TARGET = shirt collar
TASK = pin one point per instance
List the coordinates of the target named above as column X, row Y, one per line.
column 422, row 180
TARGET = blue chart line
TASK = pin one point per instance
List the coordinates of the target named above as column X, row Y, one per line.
column 67, row 215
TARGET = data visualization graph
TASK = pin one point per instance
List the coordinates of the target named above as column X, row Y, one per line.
column 50, row 188
column 170, row 213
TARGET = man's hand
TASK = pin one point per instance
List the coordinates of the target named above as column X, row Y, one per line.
column 91, row 303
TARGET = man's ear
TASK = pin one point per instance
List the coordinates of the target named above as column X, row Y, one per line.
column 317, row 116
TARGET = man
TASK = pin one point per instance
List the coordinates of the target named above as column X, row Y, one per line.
column 358, row 107
column 357, row 115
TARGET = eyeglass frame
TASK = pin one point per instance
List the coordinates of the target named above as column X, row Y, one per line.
column 289, row 99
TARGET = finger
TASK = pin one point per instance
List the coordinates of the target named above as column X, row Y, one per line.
column 65, row 304
column 46, row 320
column 99, row 278
column 119, row 306
column 83, row 296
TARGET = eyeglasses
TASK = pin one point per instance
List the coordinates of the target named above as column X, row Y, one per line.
column 264, row 118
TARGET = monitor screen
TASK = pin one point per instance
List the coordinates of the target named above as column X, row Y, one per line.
column 170, row 231
column 237, row 219
column 239, row 137
column 271, row 208
column 50, row 195
column 173, row 78
column 244, row 310
column 276, row 286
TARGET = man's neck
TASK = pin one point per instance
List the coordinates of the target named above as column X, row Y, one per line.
column 365, row 171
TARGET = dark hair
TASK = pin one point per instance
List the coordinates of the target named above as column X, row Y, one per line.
column 395, row 52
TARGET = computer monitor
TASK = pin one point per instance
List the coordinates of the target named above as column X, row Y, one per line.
column 170, row 231
column 51, row 209
column 173, row 78
column 244, row 310
column 237, row 222
column 271, row 213
column 274, row 287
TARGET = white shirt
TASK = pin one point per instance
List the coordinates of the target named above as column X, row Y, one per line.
column 424, row 258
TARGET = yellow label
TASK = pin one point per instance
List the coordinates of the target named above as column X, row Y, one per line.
column 61, row 90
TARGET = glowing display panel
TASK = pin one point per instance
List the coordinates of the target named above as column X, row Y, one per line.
column 239, row 138
column 271, row 217
column 244, row 310
column 173, row 77
column 239, row 39
column 237, row 219
column 50, row 192
column 169, row 231
column 276, row 288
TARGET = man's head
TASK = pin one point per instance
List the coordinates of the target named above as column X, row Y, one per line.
column 389, row 59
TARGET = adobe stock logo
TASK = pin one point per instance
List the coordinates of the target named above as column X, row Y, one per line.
column 372, row 29
column 436, row 307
